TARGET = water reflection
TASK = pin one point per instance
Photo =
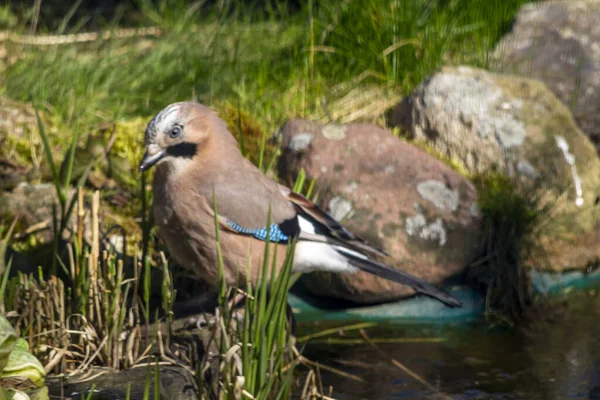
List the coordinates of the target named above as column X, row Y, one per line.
column 557, row 356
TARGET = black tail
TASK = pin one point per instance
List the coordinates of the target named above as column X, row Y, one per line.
column 391, row 274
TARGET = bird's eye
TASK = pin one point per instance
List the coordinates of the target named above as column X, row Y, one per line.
column 175, row 132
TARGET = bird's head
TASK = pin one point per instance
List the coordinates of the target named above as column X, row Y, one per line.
column 178, row 132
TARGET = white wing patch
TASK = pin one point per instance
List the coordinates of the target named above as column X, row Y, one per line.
column 350, row 252
column 305, row 225
column 315, row 256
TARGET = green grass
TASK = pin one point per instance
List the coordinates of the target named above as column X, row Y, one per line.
column 260, row 65
column 512, row 223
column 260, row 351
column 274, row 64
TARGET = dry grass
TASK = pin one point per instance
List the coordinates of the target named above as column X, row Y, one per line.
column 100, row 317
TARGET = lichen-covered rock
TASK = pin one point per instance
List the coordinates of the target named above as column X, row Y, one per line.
column 393, row 194
column 558, row 42
column 516, row 126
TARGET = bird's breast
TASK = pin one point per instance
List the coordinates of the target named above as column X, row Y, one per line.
column 187, row 228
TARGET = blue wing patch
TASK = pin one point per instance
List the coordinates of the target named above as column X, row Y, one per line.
column 275, row 233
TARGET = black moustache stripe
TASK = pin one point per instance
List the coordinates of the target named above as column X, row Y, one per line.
column 184, row 149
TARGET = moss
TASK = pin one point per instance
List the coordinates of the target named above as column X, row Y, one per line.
column 18, row 132
column 501, row 201
column 129, row 142
column 453, row 162
column 127, row 225
column 129, row 146
column 30, row 245
column 251, row 136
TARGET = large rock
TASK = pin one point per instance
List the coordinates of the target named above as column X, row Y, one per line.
column 558, row 42
column 33, row 205
column 391, row 193
column 515, row 125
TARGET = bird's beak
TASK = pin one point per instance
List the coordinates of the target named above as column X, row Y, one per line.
column 151, row 157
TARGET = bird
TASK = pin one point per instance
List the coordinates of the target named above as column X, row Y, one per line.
column 202, row 179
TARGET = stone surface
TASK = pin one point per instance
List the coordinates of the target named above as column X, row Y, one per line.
column 558, row 42
column 174, row 382
column 32, row 203
column 390, row 193
column 12, row 173
column 517, row 126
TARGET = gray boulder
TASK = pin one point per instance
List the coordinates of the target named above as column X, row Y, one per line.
column 558, row 42
column 484, row 121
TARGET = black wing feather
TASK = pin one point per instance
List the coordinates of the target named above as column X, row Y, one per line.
column 391, row 274
column 326, row 225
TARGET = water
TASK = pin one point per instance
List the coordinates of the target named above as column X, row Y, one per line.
column 556, row 356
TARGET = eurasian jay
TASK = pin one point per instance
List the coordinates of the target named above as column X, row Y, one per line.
column 198, row 163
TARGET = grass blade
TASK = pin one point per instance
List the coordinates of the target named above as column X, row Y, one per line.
column 4, row 281
column 49, row 158
column 69, row 165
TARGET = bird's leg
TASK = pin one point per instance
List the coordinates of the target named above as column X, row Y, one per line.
column 291, row 319
column 237, row 301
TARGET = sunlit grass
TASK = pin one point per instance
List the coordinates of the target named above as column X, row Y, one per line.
column 273, row 65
